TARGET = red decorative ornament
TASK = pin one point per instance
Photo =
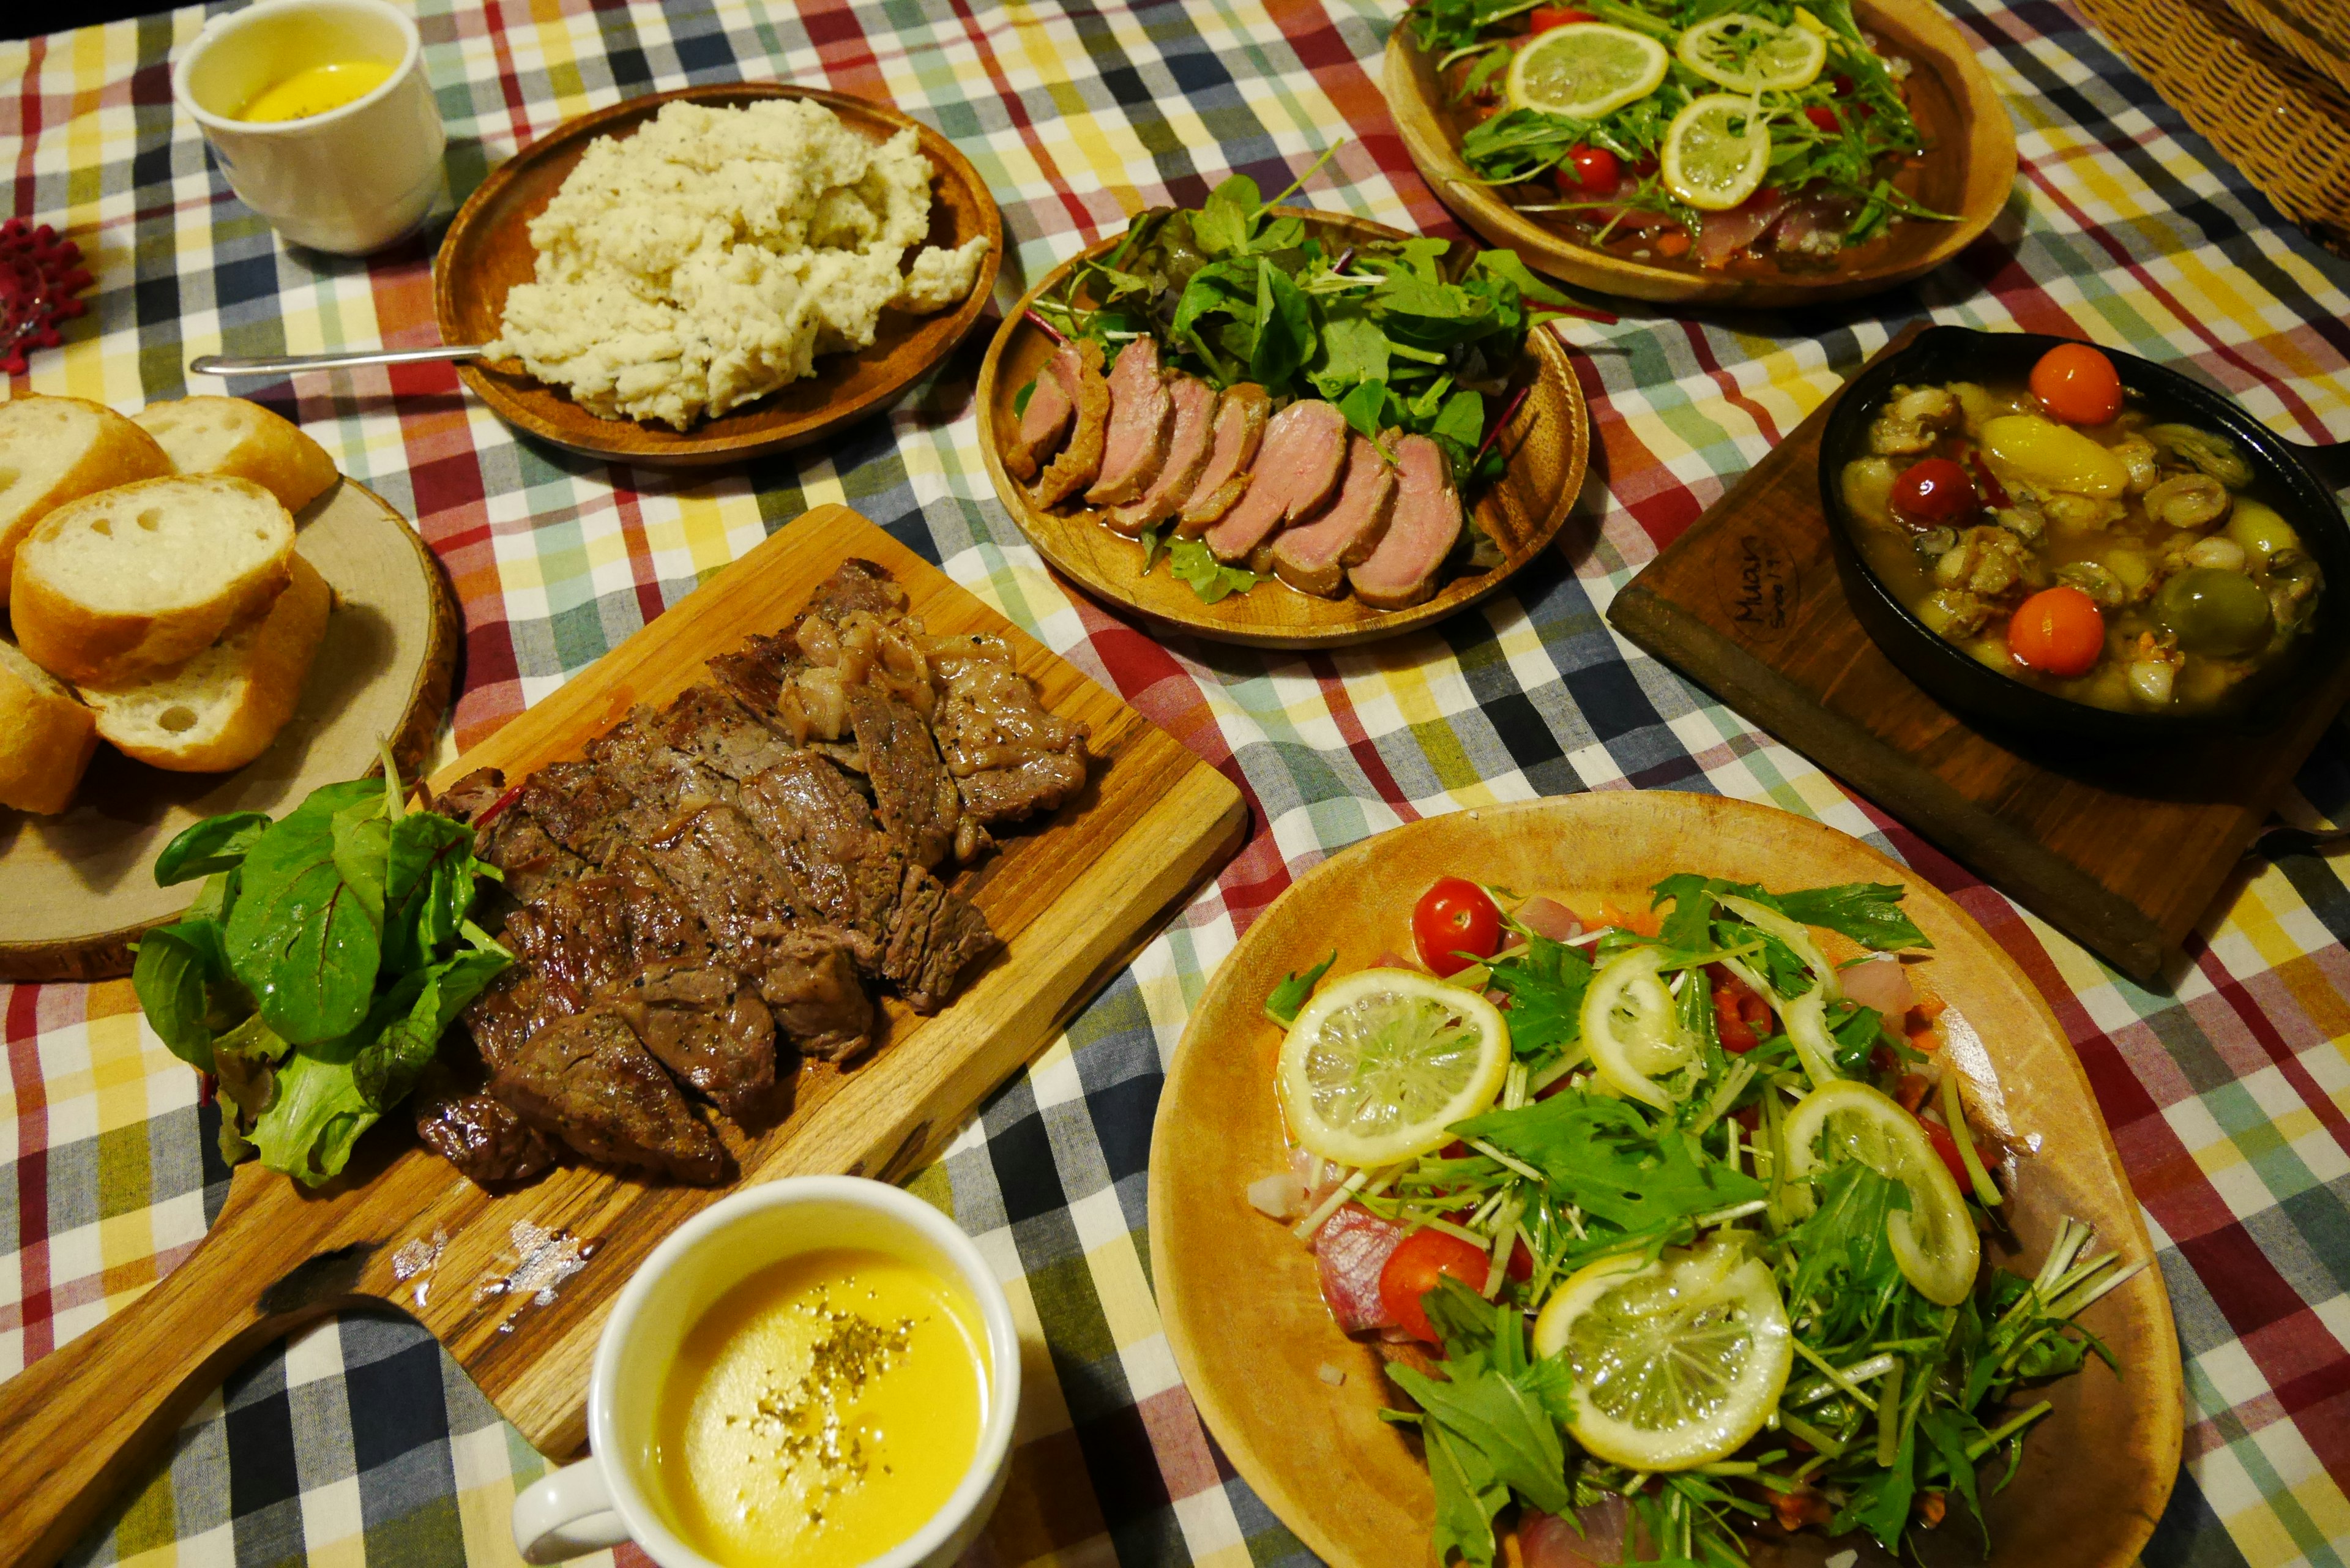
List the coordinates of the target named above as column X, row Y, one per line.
column 39, row 275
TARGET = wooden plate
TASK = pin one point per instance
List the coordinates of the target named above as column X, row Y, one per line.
column 488, row 251
column 79, row 888
column 1238, row 1293
column 1970, row 171
column 1549, row 441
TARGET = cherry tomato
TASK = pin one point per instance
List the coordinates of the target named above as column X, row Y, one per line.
column 1412, row 1270
column 1824, row 119
column 1840, row 85
column 2077, row 384
column 1596, row 172
column 2057, row 631
column 1542, row 18
column 1935, row 490
column 1944, row 1145
column 1453, row 918
column 1737, row 1036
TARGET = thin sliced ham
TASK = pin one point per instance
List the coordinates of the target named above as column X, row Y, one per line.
column 1188, row 450
column 1296, row 473
column 1547, row 1541
column 1312, row 557
column 1045, row 422
column 1080, row 461
column 1141, row 418
column 1351, row 1249
column 1426, row 523
column 1723, row 234
column 1241, row 414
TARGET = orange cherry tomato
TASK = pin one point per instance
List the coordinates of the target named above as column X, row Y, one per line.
column 1412, row 1272
column 1453, row 917
column 2057, row 631
column 2077, row 384
column 1542, row 18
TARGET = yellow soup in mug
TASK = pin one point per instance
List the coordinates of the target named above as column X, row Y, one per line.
column 821, row 1411
column 315, row 89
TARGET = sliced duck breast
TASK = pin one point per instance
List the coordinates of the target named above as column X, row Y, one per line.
column 1426, row 523
column 1141, row 421
column 1241, row 414
column 1045, row 422
column 1188, row 450
column 1297, row 470
column 1079, row 461
column 1312, row 557
column 1350, row 1252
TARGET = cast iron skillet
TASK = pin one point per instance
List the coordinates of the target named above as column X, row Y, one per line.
column 2298, row 481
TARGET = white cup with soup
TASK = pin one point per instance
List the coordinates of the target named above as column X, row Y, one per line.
column 822, row 1370
column 321, row 117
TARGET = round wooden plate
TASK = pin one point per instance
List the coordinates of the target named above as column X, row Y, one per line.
column 1548, row 443
column 1238, row 1293
column 1970, row 170
column 80, row 887
column 488, row 251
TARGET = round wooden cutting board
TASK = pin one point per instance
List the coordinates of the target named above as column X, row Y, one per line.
column 1238, row 1292
column 487, row 251
column 80, row 885
column 1548, row 442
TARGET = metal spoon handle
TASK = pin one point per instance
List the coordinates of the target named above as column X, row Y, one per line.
column 279, row 364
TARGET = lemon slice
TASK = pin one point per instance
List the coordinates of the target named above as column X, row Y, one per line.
column 1750, row 54
column 1381, row 1062
column 1633, row 1029
column 1676, row 1362
column 1934, row 1243
column 1716, row 150
column 1586, row 69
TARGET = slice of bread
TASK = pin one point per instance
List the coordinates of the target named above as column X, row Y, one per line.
column 45, row 737
column 220, row 709
column 55, row 450
column 134, row 579
column 232, row 436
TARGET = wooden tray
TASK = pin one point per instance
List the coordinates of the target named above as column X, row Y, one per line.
column 1549, row 442
column 1238, row 1293
column 487, row 251
column 79, row 884
column 2123, row 857
column 1970, row 171
column 1073, row 900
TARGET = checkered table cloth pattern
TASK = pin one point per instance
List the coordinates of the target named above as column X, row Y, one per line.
column 361, row 1441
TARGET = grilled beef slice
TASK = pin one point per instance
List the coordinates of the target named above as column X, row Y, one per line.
column 822, row 829
column 708, row 1027
column 715, row 728
column 817, row 999
column 934, row 935
column 1009, row 754
column 588, row 1081
column 482, row 1136
column 858, row 585
column 519, row 844
column 912, row 792
column 469, row 796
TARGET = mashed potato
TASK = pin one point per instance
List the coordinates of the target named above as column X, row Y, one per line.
column 709, row 258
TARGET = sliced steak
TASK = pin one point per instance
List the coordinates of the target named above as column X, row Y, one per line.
column 934, row 935
column 1045, row 422
column 1296, row 473
column 509, row 1010
column 818, row 1002
column 1141, row 419
column 588, row 1081
column 708, row 1028
column 482, row 1136
column 726, row 873
column 1189, row 444
column 716, row 727
column 1010, row 756
column 858, row 585
column 471, row 795
column 531, row 858
column 913, row 791
column 848, row 870
column 1312, row 557
column 1079, row 462
column 1426, row 525
column 1241, row 414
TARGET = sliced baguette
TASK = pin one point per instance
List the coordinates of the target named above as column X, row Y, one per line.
column 232, row 436
column 134, row 579
column 45, row 737
column 220, row 709
column 55, row 450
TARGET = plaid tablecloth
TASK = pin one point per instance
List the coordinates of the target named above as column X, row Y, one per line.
column 2227, row 1090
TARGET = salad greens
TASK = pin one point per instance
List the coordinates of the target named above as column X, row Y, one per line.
column 318, row 966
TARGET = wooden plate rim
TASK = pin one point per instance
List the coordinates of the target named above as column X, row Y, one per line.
column 1551, row 359
column 676, row 449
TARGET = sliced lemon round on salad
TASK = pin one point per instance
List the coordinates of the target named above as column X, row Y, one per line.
column 1586, row 70
column 1676, row 1362
column 1750, row 54
column 1381, row 1062
column 1634, row 1031
column 1934, row 1243
column 1716, row 151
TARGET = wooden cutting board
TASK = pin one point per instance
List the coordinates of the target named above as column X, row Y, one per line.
column 1073, row 900
column 2124, row 856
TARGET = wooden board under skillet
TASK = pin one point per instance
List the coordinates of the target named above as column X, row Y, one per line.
column 1073, row 896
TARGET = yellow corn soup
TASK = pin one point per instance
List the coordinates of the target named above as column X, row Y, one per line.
column 315, row 89
column 821, row 1412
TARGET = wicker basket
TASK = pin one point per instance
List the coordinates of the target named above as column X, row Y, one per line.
column 2265, row 80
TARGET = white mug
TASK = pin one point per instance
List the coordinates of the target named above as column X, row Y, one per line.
column 605, row 1500
column 350, row 180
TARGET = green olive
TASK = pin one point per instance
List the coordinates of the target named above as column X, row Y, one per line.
column 2213, row 610
column 2260, row 530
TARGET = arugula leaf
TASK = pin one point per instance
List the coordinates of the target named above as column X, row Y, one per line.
column 1511, row 267
column 1210, row 579
column 1153, row 542
column 1946, row 1430
column 216, row 844
column 1467, row 1496
column 361, row 846
column 1352, row 350
column 169, row 976
column 1856, row 1035
column 1868, row 912
column 1363, row 407
column 386, row 1069
column 1462, row 422
column 1222, row 227
column 1507, row 1425
column 1284, row 335
column 1290, row 995
column 1020, row 399
column 299, row 939
column 428, row 870
column 1545, row 983
column 1601, row 1156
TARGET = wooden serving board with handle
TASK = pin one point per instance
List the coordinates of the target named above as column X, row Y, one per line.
column 1074, row 898
column 2123, row 857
